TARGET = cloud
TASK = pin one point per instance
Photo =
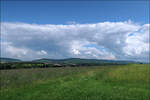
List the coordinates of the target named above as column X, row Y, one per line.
column 138, row 44
column 8, row 50
column 42, row 52
column 107, row 40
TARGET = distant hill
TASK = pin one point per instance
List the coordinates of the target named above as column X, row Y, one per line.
column 81, row 61
column 10, row 63
column 9, row 60
column 70, row 61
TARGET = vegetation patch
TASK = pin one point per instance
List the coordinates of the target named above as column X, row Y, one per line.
column 126, row 82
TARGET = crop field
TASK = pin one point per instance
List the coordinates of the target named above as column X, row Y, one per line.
column 120, row 82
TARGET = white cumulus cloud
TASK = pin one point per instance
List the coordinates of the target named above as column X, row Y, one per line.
column 105, row 40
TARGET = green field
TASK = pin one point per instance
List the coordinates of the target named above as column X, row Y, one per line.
column 126, row 82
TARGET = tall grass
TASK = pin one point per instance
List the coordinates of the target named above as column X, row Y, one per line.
column 129, row 82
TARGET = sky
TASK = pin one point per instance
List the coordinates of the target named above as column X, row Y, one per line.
column 116, row 30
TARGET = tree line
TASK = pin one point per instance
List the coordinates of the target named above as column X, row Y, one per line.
column 18, row 65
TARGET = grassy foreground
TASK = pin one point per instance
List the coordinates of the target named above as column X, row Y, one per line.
column 128, row 82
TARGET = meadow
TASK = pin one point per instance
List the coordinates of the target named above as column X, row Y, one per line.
column 117, row 82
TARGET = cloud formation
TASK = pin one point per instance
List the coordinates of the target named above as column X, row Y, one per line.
column 107, row 40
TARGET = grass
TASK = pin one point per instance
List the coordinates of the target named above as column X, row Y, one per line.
column 128, row 82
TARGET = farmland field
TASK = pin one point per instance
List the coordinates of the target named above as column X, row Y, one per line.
column 120, row 82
